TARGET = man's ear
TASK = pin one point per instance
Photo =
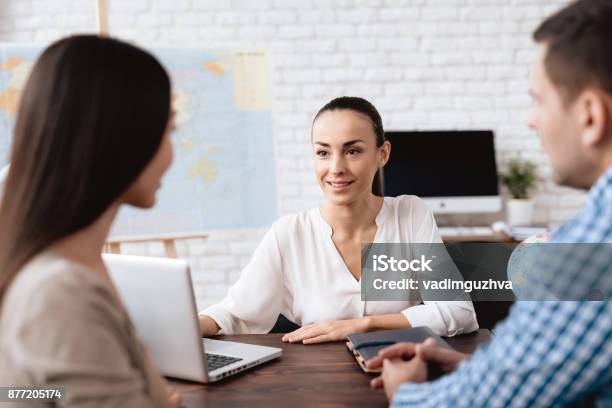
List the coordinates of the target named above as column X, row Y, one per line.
column 593, row 117
column 384, row 153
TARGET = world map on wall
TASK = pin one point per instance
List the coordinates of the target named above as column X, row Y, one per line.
column 223, row 174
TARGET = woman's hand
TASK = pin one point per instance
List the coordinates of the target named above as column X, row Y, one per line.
column 174, row 398
column 335, row 330
column 208, row 326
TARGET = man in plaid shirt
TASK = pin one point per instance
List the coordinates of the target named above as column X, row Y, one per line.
column 546, row 353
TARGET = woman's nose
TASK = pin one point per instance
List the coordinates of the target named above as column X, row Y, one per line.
column 531, row 120
column 337, row 165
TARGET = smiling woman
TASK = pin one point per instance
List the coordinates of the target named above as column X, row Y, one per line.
column 354, row 118
column 308, row 266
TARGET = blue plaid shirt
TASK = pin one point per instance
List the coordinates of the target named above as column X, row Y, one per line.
column 546, row 353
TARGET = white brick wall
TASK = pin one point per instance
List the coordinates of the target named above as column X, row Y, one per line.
column 425, row 64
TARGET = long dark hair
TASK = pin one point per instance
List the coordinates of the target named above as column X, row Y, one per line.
column 362, row 106
column 92, row 116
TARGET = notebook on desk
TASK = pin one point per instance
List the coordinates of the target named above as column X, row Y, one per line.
column 365, row 346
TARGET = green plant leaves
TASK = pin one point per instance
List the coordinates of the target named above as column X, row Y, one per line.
column 519, row 178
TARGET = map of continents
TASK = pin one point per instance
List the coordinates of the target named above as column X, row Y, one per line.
column 223, row 174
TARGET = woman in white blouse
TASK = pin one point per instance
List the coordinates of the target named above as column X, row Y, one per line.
column 307, row 266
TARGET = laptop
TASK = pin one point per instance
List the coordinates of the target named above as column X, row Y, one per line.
column 158, row 296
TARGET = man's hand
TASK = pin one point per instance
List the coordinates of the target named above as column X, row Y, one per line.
column 397, row 371
column 446, row 359
column 404, row 351
column 335, row 330
column 428, row 352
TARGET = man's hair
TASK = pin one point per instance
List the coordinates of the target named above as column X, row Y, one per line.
column 579, row 40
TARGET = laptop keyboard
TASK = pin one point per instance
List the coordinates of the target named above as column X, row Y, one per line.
column 216, row 361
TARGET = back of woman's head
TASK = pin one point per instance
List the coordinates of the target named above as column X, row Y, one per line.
column 92, row 115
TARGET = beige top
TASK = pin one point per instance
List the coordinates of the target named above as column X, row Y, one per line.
column 62, row 325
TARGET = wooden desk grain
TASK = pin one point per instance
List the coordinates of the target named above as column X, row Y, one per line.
column 319, row 375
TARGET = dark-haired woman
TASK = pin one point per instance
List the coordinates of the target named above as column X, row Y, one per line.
column 308, row 264
column 92, row 134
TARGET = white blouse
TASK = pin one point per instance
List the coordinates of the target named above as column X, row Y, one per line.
column 296, row 270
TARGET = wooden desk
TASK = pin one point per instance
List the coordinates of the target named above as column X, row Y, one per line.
column 480, row 238
column 318, row 375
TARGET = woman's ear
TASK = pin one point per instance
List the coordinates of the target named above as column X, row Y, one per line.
column 384, row 152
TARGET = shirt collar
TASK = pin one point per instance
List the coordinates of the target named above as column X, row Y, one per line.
column 601, row 192
column 379, row 220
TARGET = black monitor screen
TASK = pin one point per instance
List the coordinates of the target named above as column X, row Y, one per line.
column 441, row 164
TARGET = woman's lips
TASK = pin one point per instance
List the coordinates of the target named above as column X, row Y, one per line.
column 340, row 186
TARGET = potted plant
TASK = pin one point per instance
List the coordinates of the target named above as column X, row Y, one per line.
column 519, row 178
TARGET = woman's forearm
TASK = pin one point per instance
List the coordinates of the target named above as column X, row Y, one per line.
column 386, row 322
column 208, row 326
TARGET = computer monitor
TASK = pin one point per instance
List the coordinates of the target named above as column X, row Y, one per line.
column 453, row 171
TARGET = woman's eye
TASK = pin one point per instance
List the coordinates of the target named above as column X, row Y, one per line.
column 321, row 153
column 353, row 152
